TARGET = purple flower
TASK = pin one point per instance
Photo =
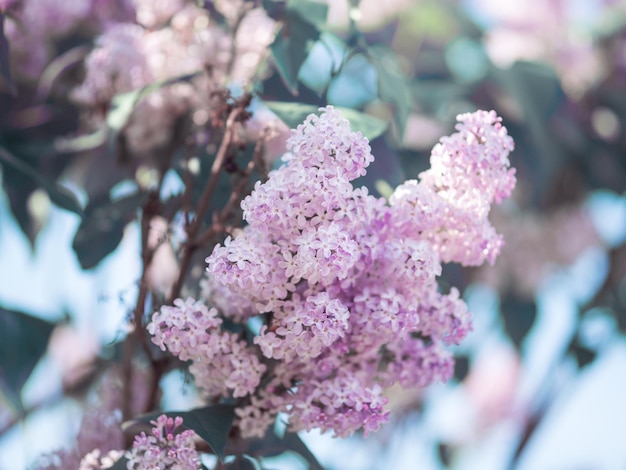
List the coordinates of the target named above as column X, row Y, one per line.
column 344, row 282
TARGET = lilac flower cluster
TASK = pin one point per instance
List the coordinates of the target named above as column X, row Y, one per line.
column 165, row 449
column 450, row 204
column 33, row 27
column 220, row 362
column 343, row 282
column 164, row 40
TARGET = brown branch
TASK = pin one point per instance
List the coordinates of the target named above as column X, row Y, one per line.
column 205, row 199
column 150, row 209
column 218, row 224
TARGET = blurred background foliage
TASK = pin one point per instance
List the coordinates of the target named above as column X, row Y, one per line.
column 402, row 70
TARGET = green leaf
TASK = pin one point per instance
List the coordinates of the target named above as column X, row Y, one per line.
column 384, row 188
column 59, row 195
column 583, row 355
column 537, row 91
column 272, row 445
column 393, row 84
column 81, row 143
column 275, row 9
column 5, row 70
column 23, row 340
column 120, row 464
column 295, row 39
column 123, row 105
column 461, row 367
column 102, row 228
column 242, row 462
column 294, row 443
column 518, row 315
column 314, row 12
column 295, row 113
column 211, row 423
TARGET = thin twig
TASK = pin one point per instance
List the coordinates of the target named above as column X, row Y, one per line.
column 205, row 199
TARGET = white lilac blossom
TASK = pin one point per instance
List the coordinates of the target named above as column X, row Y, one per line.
column 344, row 283
column 94, row 460
column 167, row 448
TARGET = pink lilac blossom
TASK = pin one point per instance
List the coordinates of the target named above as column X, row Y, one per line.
column 167, row 448
column 220, row 362
column 468, row 173
column 562, row 34
column 345, row 283
column 34, row 26
column 168, row 40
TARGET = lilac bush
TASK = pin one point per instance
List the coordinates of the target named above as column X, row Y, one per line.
column 318, row 298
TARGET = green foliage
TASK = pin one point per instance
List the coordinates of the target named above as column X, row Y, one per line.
column 59, row 195
column 242, row 462
column 272, row 445
column 120, row 464
column 23, row 340
column 583, row 355
column 312, row 11
column 461, row 367
column 393, row 83
column 518, row 316
column 5, row 71
column 296, row 36
column 295, row 113
column 384, row 188
column 537, row 92
column 102, row 228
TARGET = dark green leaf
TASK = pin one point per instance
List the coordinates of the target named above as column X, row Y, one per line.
column 123, row 105
column 536, row 89
column 59, row 195
column 19, row 188
column 102, row 228
column 23, row 340
column 445, row 454
column 272, row 445
column 211, row 423
column 583, row 355
column 461, row 367
column 314, row 12
column 294, row 443
column 242, row 462
column 5, row 70
column 81, row 143
column 518, row 315
column 393, row 84
column 295, row 113
column 120, row 464
column 275, row 9
column 294, row 41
